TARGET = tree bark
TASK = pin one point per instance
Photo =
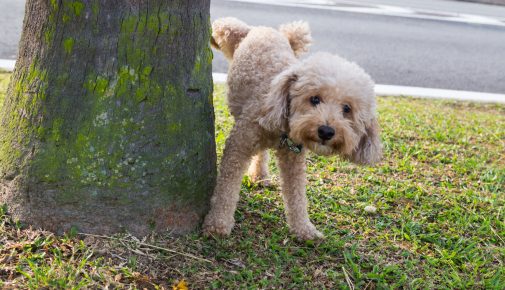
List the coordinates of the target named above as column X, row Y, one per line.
column 108, row 121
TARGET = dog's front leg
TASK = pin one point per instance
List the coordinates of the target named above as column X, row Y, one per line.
column 293, row 181
column 240, row 146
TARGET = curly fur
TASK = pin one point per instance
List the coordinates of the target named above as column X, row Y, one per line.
column 227, row 33
column 298, row 35
column 269, row 94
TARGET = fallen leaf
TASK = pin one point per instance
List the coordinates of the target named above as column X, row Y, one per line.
column 182, row 285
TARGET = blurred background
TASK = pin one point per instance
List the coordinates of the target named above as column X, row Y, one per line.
column 443, row 44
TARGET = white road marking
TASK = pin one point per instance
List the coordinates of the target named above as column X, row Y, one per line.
column 384, row 10
column 380, row 90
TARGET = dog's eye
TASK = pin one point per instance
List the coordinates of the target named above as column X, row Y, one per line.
column 315, row 100
column 346, row 108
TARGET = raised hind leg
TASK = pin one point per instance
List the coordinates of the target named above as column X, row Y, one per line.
column 258, row 169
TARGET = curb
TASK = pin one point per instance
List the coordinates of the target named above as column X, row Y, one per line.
column 380, row 90
column 429, row 93
column 7, row 64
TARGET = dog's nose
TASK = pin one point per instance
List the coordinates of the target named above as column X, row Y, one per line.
column 325, row 132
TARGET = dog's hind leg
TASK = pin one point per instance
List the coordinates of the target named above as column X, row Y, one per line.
column 240, row 146
column 258, row 170
column 293, row 181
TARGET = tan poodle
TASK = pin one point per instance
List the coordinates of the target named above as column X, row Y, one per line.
column 323, row 103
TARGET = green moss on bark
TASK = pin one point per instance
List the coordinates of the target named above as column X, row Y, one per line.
column 68, row 44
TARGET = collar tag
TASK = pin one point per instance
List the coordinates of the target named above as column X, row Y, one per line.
column 285, row 141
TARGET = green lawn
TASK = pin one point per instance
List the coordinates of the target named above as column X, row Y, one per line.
column 439, row 194
column 4, row 81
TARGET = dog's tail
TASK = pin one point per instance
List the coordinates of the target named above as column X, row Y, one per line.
column 227, row 33
column 298, row 34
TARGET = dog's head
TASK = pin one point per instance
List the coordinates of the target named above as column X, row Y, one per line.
column 327, row 104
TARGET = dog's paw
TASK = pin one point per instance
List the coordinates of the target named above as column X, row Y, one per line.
column 307, row 232
column 216, row 227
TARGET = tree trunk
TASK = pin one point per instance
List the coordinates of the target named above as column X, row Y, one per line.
column 108, row 121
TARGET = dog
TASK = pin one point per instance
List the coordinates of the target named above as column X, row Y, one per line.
column 323, row 103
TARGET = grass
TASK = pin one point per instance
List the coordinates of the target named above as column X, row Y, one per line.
column 439, row 194
column 4, row 81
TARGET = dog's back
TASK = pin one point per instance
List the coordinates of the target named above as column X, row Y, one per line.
column 228, row 32
column 256, row 56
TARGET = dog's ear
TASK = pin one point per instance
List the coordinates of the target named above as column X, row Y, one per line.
column 369, row 150
column 275, row 113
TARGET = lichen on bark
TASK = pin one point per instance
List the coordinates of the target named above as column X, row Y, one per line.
column 109, row 116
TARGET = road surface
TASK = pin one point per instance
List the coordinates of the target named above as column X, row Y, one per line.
column 394, row 50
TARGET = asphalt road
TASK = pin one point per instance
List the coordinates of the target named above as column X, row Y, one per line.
column 11, row 21
column 450, row 6
column 394, row 50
